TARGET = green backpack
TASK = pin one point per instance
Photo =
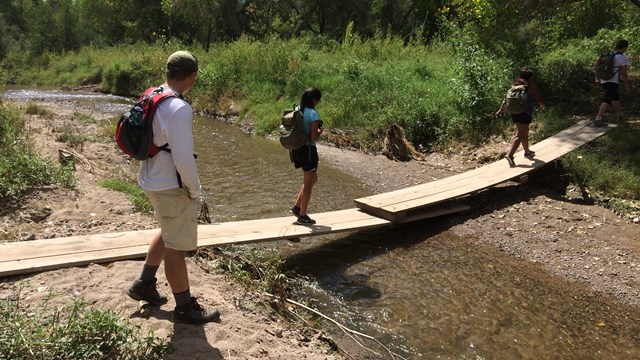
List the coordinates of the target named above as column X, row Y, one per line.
column 516, row 99
column 292, row 135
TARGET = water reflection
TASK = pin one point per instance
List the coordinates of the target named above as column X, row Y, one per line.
column 428, row 294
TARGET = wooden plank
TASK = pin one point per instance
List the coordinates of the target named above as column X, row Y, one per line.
column 40, row 255
column 29, row 265
column 561, row 142
column 427, row 194
column 242, row 232
column 74, row 244
column 431, row 212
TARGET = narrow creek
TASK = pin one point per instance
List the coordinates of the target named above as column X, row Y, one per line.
column 419, row 289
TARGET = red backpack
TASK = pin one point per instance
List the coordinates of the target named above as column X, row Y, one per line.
column 134, row 134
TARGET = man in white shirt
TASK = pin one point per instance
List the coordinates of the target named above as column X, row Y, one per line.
column 611, row 86
column 170, row 180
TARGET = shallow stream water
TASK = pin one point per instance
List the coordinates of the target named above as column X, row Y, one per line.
column 417, row 288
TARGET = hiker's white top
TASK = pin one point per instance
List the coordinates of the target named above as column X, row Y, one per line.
column 618, row 61
column 172, row 124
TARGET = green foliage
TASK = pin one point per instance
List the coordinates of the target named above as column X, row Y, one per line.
column 69, row 136
column 84, row 118
column 125, row 70
column 135, row 193
column 480, row 79
column 251, row 267
column 609, row 165
column 72, row 332
column 20, row 168
column 35, row 109
column 583, row 19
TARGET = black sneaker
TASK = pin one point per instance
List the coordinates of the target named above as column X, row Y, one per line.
column 295, row 210
column 193, row 313
column 510, row 160
column 599, row 123
column 305, row 220
column 147, row 291
column 529, row 153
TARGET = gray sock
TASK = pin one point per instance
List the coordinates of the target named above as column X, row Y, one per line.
column 183, row 298
column 148, row 273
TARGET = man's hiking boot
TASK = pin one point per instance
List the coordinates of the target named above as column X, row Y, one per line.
column 193, row 313
column 295, row 210
column 510, row 160
column 305, row 220
column 147, row 291
column 529, row 154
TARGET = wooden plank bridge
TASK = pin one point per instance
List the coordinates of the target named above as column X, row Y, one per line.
column 414, row 203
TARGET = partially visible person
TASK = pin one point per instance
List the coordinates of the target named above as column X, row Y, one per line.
column 523, row 120
column 170, row 180
column 307, row 156
column 611, row 86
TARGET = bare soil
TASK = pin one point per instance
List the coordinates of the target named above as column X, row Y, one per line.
column 544, row 220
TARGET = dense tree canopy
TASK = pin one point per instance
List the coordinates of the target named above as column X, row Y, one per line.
column 40, row 26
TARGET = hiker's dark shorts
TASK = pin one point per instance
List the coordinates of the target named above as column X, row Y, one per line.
column 610, row 92
column 522, row 118
column 301, row 158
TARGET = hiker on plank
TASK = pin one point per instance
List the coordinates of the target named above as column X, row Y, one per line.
column 523, row 119
column 306, row 157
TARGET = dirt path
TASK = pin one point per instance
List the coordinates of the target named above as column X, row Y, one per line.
column 534, row 221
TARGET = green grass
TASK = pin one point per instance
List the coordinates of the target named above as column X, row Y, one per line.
column 609, row 164
column 251, row 267
column 21, row 169
column 135, row 193
column 83, row 118
column 35, row 109
column 73, row 332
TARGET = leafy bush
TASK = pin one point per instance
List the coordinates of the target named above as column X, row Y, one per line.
column 73, row 332
column 20, row 167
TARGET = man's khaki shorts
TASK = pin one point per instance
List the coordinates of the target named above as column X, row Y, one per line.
column 177, row 215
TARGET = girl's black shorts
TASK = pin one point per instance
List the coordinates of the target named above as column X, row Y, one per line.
column 522, row 118
column 306, row 158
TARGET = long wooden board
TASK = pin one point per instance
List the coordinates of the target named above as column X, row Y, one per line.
column 393, row 205
column 39, row 255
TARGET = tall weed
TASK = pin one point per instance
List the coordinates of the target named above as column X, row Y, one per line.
column 20, row 167
column 72, row 332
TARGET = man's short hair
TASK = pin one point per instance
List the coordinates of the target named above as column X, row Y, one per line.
column 621, row 44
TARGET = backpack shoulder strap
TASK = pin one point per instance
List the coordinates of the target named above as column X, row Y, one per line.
column 157, row 95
